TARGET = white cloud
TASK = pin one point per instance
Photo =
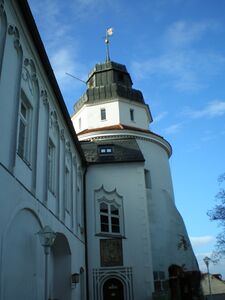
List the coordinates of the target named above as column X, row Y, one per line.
column 180, row 64
column 175, row 128
column 213, row 109
column 202, row 240
column 183, row 70
column 160, row 116
column 183, row 33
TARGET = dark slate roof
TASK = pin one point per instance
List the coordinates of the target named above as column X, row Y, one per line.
column 123, row 150
column 108, row 81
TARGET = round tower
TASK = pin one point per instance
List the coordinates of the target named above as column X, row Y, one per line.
column 130, row 163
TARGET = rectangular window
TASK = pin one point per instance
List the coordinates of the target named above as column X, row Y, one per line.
column 105, row 150
column 109, row 218
column 132, row 114
column 67, row 190
column 79, row 123
column 51, row 167
column 24, row 130
column 148, row 183
column 103, row 114
column 160, row 282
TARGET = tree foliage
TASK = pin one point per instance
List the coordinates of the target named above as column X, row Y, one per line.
column 217, row 213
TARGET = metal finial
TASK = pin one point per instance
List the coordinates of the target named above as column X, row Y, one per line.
column 109, row 32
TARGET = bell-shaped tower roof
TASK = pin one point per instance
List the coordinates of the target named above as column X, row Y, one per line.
column 107, row 81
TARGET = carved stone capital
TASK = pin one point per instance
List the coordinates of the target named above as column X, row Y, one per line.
column 44, row 97
column 62, row 134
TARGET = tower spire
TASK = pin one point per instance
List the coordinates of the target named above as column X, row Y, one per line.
column 109, row 32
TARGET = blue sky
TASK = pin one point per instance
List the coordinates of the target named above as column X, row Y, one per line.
column 175, row 53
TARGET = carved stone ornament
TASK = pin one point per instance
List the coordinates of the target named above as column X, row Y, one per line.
column 74, row 160
column 44, row 97
column 2, row 5
column 62, row 134
column 111, row 252
column 54, row 120
column 13, row 30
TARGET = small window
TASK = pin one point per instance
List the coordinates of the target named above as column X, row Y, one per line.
column 132, row 114
column 103, row 114
column 160, row 282
column 105, row 150
column 148, row 183
column 24, row 130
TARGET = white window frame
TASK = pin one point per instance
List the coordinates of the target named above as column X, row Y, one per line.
column 109, row 215
column 159, row 281
column 24, row 150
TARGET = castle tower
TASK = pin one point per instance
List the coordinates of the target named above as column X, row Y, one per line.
column 137, row 241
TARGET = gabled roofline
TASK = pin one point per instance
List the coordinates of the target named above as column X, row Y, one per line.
column 35, row 36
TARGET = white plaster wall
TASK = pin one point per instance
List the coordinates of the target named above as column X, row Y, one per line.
column 117, row 112
column 91, row 116
column 136, row 245
column 166, row 224
column 21, row 255
column 140, row 115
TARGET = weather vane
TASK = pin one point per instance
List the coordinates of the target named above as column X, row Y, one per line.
column 109, row 32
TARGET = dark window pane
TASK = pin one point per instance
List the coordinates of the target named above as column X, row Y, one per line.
column 115, row 228
column 104, row 228
column 23, row 110
column 115, row 221
column 114, row 210
column 104, row 208
column 103, row 114
column 104, row 219
column 161, row 275
column 21, row 143
column 157, row 285
column 155, row 275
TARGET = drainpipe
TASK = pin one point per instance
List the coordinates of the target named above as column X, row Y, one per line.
column 85, row 232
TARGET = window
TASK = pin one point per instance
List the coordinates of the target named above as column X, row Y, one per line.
column 109, row 218
column 148, row 183
column 160, row 282
column 105, row 150
column 24, row 130
column 79, row 123
column 67, row 190
column 51, row 166
column 132, row 114
column 103, row 114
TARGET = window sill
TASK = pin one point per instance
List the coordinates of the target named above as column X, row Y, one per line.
column 116, row 236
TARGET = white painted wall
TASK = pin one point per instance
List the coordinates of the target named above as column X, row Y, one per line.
column 166, row 224
column 136, row 244
column 117, row 112
column 140, row 114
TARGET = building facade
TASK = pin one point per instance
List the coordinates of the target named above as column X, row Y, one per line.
column 41, row 167
column 102, row 193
